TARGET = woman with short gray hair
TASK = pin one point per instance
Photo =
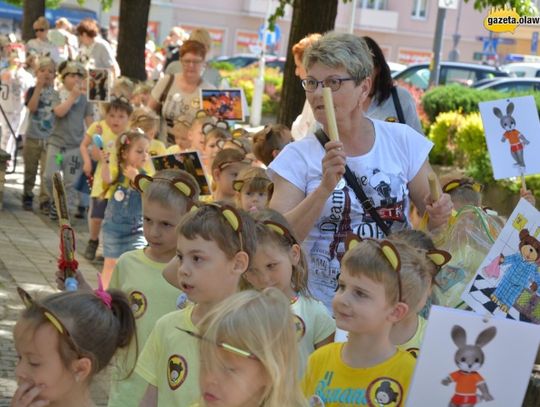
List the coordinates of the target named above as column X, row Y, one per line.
column 388, row 161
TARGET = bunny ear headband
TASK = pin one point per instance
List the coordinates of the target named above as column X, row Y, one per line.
column 143, row 181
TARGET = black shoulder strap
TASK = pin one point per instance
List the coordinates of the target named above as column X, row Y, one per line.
column 166, row 89
column 397, row 105
column 352, row 182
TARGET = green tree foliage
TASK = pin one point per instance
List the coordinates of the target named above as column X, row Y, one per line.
column 105, row 4
column 523, row 7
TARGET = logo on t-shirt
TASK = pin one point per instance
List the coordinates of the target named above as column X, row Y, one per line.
column 316, row 401
column 300, row 327
column 177, row 370
column 138, row 303
column 384, row 391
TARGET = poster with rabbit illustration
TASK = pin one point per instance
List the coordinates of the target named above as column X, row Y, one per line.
column 512, row 131
column 467, row 359
column 507, row 283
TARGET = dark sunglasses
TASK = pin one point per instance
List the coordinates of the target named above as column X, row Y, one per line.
column 37, row 30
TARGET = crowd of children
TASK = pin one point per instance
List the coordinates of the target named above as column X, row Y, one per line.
column 203, row 298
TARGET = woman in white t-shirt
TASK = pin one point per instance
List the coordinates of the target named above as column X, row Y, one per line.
column 389, row 160
column 177, row 96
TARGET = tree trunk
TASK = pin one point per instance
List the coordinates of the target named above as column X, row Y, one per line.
column 133, row 22
column 33, row 9
column 309, row 16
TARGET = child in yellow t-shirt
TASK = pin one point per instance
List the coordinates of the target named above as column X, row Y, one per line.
column 370, row 299
column 214, row 247
column 248, row 353
column 279, row 262
column 116, row 122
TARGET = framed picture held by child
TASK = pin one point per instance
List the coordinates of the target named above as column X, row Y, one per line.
column 512, row 131
column 470, row 359
column 225, row 104
column 189, row 161
column 99, row 85
column 507, row 283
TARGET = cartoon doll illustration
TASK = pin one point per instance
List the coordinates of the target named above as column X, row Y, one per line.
column 469, row 358
column 522, row 272
column 385, row 395
column 514, row 137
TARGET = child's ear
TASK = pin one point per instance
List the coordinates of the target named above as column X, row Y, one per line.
column 295, row 253
column 81, row 369
column 215, row 174
column 399, row 312
column 241, row 263
column 275, row 153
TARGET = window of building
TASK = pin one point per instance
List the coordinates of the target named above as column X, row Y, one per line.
column 373, row 4
column 419, row 9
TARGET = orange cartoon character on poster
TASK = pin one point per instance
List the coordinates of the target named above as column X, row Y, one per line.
column 469, row 358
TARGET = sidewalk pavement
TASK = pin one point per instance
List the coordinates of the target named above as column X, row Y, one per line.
column 28, row 254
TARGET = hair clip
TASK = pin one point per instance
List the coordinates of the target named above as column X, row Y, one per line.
column 124, row 139
column 280, row 230
column 439, row 257
column 103, row 295
column 222, row 345
column 462, row 182
column 29, row 302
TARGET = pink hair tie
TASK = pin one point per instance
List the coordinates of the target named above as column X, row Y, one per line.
column 103, row 295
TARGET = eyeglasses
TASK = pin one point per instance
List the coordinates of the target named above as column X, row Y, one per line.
column 194, row 62
column 222, row 345
column 463, row 182
column 311, row 84
column 29, row 302
column 37, row 30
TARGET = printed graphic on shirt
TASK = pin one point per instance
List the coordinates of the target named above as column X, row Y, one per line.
column 300, row 327
column 138, row 303
column 177, row 371
column 43, row 118
column 384, row 392
column 344, row 214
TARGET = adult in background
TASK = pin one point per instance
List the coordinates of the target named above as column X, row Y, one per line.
column 95, row 52
column 67, row 42
column 41, row 46
column 172, row 44
column 389, row 160
column 210, row 75
column 386, row 101
column 178, row 96
column 305, row 123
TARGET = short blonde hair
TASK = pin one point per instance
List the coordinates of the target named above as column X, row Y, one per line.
column 41, row 22
column 162, row 190
column 367, row 259
column 144, row 118
column 340, row 50
column 203, row 36
column 262, row 324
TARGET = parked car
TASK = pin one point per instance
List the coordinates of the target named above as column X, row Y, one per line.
column 523, row 69
column 395, row 67
column 241, row 61
column 450, row 72
column 511, row 85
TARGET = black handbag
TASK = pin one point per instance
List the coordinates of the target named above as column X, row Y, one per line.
column 352, row 182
